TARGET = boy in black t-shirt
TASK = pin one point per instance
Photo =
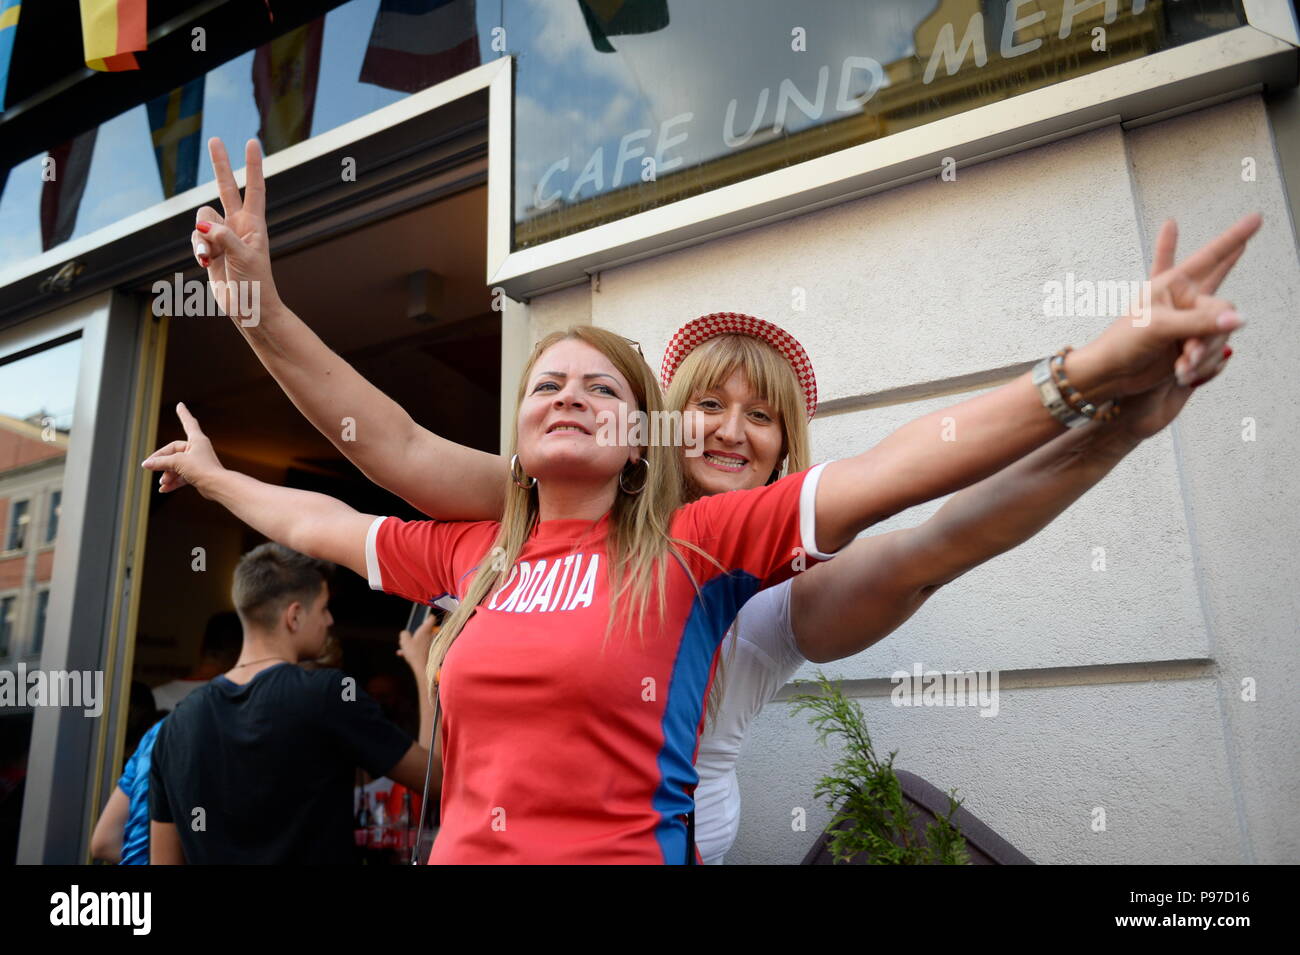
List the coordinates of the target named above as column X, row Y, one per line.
column 258, row 765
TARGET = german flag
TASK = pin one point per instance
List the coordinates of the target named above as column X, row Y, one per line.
column 112, row 32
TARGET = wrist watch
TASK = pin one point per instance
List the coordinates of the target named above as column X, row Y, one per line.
column 1050, row 395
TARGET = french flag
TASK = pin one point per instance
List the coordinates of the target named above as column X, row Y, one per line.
column 417, row 43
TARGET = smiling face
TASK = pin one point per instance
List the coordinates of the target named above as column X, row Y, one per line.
column 742, row 437
column 571, row 389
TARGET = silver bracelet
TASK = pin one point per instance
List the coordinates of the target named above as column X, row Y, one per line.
column 1050, row 395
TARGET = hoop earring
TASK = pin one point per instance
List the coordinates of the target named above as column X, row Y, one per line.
column 514, row 467
column 644, row 481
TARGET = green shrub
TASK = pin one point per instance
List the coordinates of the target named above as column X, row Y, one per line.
column 865, row 793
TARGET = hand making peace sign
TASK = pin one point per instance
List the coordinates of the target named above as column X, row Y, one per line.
column 235, row 248
column 1201, row 359
column 1185, row 323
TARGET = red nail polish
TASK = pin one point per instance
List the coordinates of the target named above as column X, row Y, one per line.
column 204, row 260
column 1227, row 351
column 203, row 226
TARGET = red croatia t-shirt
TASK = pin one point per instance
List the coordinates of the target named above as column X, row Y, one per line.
column 562, row 744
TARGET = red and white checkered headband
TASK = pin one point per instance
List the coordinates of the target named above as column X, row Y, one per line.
column 709, row 326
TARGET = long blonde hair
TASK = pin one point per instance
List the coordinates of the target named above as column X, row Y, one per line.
column 769, row 374
column 638, row 536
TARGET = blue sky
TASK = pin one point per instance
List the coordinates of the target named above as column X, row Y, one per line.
column 45, row 381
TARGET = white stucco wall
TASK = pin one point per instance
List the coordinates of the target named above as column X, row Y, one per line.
column 1121, row 688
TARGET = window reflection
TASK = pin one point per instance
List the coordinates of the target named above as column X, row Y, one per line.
column 8, row 616
column 619, row 106
column 610, row 125
column 37, row 394
column 38, row 622
column 18, row 520
column 357, row 58
column 52, row 519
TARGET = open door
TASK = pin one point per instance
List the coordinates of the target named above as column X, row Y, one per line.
column 402, row 300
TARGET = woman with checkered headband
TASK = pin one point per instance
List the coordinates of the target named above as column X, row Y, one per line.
column 751, row 386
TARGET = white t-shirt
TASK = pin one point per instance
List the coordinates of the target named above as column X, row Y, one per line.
column 765, row 657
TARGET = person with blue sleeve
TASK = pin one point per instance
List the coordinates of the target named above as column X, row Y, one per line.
column 122, row 833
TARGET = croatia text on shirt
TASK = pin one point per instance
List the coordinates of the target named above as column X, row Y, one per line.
column 568, row 583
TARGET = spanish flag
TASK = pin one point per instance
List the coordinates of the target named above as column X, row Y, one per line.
column 285, row 72
column 112, row 30
column 8, row 30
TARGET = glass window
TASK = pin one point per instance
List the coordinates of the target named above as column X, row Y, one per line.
column 357, row 58
column 8, row 620
column 620, row 108
column 38, row 624
column 37, row 396
column 52, row 518
column 16, row 538
column 38, row 391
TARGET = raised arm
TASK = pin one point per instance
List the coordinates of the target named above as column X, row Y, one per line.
column 947, row 450
column 443, row 479
column 842, row 607
column 313, row 524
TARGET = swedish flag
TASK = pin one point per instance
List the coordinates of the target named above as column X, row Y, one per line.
column 8, row 30
column 176, row 119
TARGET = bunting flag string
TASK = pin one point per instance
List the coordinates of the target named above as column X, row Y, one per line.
column 9, row 10
column 607, row 18
column 285, row 72
column 415, row 44
column 176, row 122
column 61, row 194
column 113, row 31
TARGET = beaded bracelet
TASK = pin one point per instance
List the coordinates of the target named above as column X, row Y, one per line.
column 1107, row 412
